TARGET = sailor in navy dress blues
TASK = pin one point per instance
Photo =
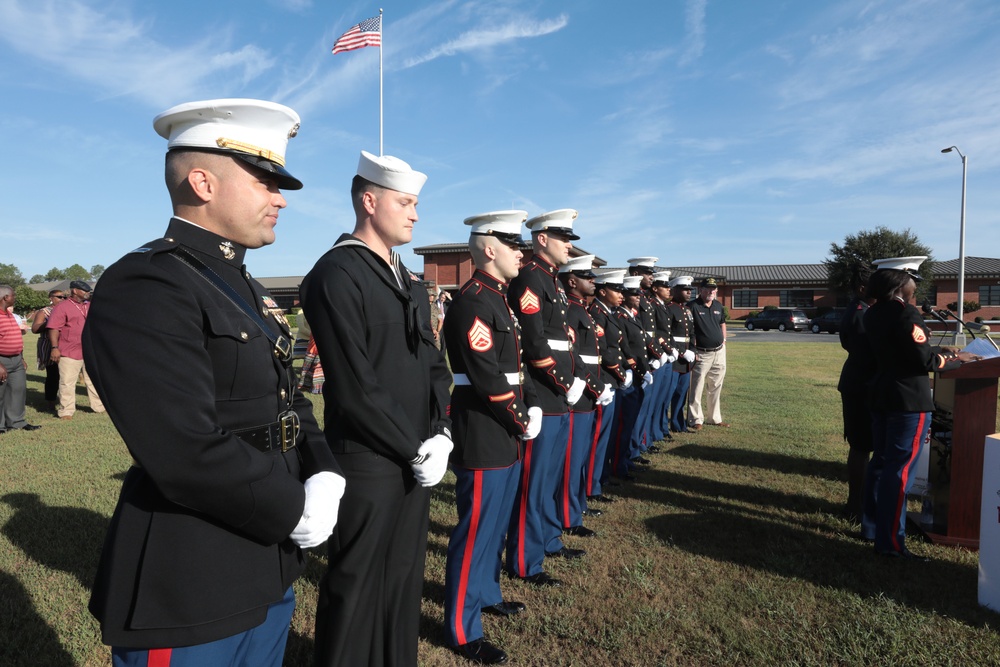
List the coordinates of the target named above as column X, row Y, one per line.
column 681, row 330
column 386, row 401
column 494, row 408
column 232, row 475
column 614, row 370
column 577, row 278
column 901, row 400
column 540, row 304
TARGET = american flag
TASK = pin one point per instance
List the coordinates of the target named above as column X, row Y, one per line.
column 366, row 33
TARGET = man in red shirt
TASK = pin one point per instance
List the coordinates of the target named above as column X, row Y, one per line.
column 13, row 385
column 65, row 331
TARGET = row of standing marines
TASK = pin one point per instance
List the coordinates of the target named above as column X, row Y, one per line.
column 232, row 476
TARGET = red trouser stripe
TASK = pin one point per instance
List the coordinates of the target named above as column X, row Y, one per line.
column 593, row 449
column 470, row 544
column 567, row 470
column 158, row 657
column 522, row 570
column 901, row 500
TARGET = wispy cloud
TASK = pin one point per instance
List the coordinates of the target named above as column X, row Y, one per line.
column 694, row 38
column 116, row 54
column 486, row 38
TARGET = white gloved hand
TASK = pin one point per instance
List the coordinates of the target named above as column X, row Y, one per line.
column 534, row 424
column 665, row 359
column 647, row 379
column 606, row 396
column 672, row 357
column 432, row 460
column 628, row 379
column 689, row 356
column 655, row 363
column 575, row 391
column 319, row 515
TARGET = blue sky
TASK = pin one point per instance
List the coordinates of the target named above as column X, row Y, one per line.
column 705, row 132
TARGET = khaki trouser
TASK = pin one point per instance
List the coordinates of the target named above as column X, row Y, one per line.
column 709, row 371
column 69, row 374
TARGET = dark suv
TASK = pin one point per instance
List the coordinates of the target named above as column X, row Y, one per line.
column 782, row 319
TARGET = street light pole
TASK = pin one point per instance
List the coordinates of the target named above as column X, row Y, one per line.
column 961, row 248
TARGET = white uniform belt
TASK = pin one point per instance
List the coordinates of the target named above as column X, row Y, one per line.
column 590, row 359
column 651, row 334
column 560, row 345
column 461, row 379
column 682, row 339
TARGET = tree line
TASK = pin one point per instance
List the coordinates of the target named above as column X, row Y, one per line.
column 29, row 299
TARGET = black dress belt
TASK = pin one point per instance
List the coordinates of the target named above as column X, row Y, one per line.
column 708, row 349
column 276, row 436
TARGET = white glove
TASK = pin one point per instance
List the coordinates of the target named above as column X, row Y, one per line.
column 319, row 516
column 672, row 357
column 655, row 363
column 689, row 356
column 665, row 359
column 575, row 391
column 606, row 396
column 432, row 460
column 628, row 379
column 534, row 424
column 647, row 379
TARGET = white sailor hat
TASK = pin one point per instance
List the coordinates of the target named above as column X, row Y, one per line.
column 558, row 222
column 505, row 225
column 662, row 278
column 254, row 131
column 632, row 285
column 643, row 264
column 390, row 172
column 611, row 279
column 682, row 281
column 910, row 265
column 582, row 266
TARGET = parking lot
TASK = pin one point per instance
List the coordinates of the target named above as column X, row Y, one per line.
column 736, row 332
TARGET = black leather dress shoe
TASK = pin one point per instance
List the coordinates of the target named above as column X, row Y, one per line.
column 505, row 608
column 592, row 511
column 653, row 449
column 542, row 579
column 612, row 482
column 580, row 531
column 641, row 461
column 600, row 499
column 31, row 427
column 566, row 552
column 905, row 554
column 627, row 477
column 482, row 652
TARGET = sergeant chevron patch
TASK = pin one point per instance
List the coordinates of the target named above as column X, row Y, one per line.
column 529, row 303
column 480, row 336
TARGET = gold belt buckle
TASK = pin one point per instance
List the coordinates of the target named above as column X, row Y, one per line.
column 289, row 430
column 520, row 377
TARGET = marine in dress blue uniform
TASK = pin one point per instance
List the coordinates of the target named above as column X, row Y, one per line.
column 577, row 277
column 633, row 345
column 901, row 400
column 386, row 401
column 539, row 303
column 663, row 387
column 681, row 329
column 645, row 314
column 614, row 371
column 232, row 475
column 493, row 408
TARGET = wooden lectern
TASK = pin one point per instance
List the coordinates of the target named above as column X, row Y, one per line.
column 965, row 401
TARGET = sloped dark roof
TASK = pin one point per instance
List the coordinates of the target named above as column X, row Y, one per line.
column 764, row 274
column 445, row 248
column 980, row 267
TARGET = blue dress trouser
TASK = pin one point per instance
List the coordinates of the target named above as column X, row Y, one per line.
column 629, row 401
column 262, row 646
column 534, row 523
column 597, row 468
column 572, row 497
column 663, row 388
column 484, row 498
column 678, row 402
column 897, row 438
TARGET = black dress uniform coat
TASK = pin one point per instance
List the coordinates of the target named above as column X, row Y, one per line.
column 681, row 329
column 540, row 304
column 648, row 317
column 633, row 343
column 198, row 545
column 901, row 343
column 583, row 330
column 484, row 343
column 609, row 339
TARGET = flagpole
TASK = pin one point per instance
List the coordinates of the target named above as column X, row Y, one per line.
column 380, row 40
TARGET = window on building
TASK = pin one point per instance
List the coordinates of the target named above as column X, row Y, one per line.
column 931, row 295
column 989, row 295
column 796, row 298
column 745, row 298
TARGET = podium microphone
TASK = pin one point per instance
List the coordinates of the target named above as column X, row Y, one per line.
column 933, row 313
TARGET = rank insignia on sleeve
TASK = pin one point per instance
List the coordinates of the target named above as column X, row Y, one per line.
column 480, row 337
column 571, row 334
column 600, row 330
column 529, row 303
column 918, row 334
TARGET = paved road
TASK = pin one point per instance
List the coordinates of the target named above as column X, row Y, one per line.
column 739, row 333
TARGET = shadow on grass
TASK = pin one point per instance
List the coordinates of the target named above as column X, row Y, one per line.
column 792, row 465
column 61, row 538
column 826, row 560
column 28, row 640
column 299, row 649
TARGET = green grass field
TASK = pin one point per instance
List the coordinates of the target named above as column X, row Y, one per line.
column 730, row 550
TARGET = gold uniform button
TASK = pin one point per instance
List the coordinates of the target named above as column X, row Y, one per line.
column 244, row 335
column 168, row 240
column 284, row 394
